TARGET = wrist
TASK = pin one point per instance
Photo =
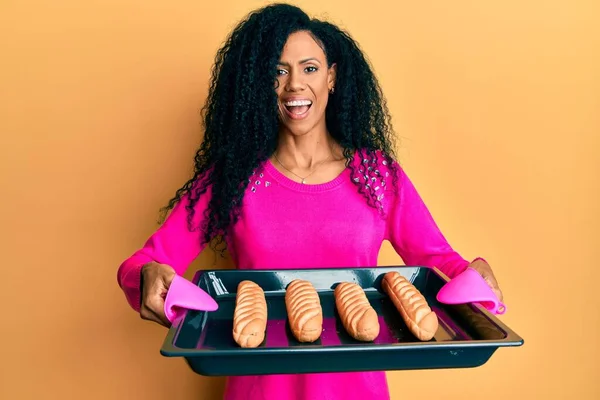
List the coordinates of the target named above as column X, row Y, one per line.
column 141, row 278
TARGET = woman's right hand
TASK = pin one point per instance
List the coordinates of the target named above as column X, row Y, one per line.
column 157, row 279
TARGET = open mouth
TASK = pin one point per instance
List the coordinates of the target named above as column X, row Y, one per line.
column 297, row 109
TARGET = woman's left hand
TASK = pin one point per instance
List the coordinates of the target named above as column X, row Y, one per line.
column 486, row 272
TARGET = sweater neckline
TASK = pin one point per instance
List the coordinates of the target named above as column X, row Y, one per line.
column 283, row 180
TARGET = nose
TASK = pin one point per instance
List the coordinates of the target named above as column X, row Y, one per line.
column 294, row 82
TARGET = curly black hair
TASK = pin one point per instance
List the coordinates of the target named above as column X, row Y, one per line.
column 240, row 116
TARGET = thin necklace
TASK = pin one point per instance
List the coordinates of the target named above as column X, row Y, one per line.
column 292, row 172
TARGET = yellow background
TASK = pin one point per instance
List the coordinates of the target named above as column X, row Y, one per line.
column 497, row 104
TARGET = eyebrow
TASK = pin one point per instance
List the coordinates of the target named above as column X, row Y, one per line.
column 301, row 61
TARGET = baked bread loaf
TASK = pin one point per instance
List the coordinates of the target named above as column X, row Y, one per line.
column 250, row 315
column 304, row 310
column 412, row 305
column 357, row 315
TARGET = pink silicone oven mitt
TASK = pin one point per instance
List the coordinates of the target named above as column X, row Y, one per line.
column 184, row 295
column 470, row 287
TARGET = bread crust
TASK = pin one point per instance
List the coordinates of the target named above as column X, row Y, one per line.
column 250, row 315
column 305, row 314
column 356, row 313
column 412, row 305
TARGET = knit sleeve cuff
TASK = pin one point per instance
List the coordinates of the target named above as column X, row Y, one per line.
column 131, row 285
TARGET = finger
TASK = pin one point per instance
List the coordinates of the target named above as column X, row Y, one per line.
column 498, row 293
column 148, row 314
column 162, row 290
column 490, row 280
column 495, row 288
column 160, row 314
column 162, row 319
column 493, row 284
column 168, row 279
column 156, row 304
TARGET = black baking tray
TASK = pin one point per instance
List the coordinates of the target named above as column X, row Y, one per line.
column 468, row 335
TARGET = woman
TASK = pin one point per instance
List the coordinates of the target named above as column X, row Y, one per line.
column 296, row 170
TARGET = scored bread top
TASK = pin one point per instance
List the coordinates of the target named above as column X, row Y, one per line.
column 250, row 313
column 304, row 307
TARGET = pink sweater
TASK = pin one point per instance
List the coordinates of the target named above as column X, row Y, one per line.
column 285, row 225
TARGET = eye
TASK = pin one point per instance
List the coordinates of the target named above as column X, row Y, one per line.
column 311, row 69
column 281, row 72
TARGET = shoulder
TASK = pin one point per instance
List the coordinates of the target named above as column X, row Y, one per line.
column 377, row 164
column 379, row 176
column 380, row 157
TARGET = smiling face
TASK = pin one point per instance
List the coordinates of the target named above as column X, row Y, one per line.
column 303, row 84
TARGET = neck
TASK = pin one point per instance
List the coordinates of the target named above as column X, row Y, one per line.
column 304, row 152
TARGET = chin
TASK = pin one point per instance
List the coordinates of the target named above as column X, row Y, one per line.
column 297, row 129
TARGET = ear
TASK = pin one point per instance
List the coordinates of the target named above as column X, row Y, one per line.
column 331, row 76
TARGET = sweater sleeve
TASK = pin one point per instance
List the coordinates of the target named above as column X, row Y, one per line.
column 415, row 235
column 172, row 244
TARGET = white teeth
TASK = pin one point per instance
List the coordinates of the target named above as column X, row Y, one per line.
column 296, row 103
